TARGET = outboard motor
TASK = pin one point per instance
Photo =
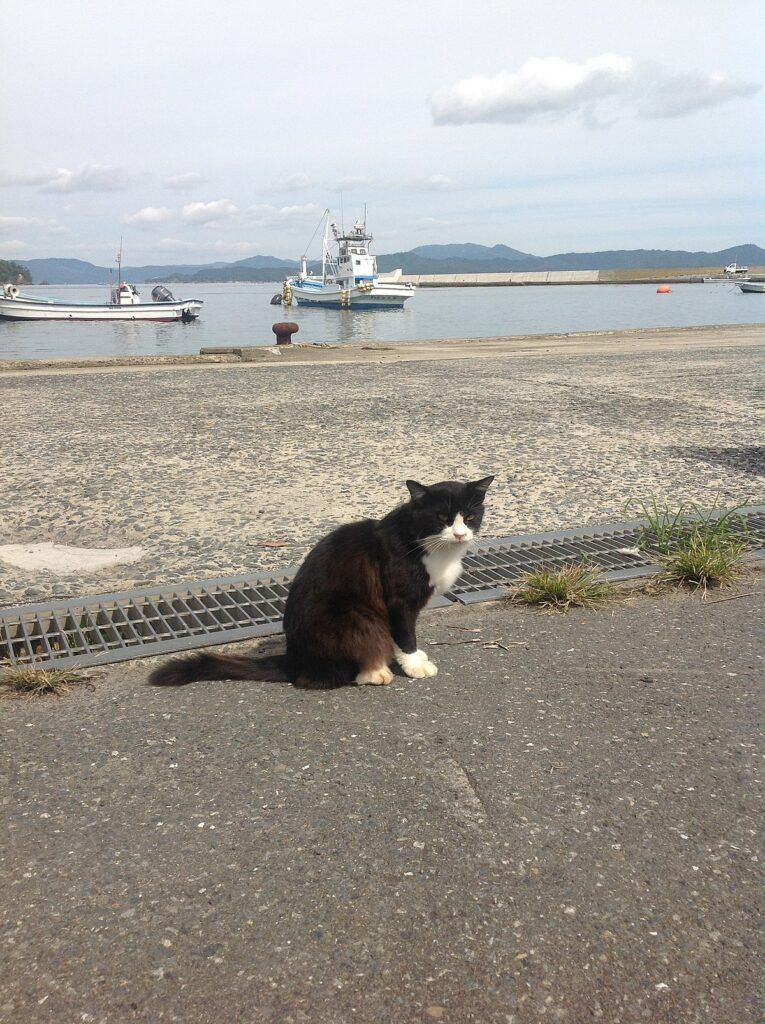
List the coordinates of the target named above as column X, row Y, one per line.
column 162, row 294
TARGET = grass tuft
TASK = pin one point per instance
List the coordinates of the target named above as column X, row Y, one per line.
column 31, row 683
column 573, row 586
column 697, row 548
column 704, row 559
column 669, row 528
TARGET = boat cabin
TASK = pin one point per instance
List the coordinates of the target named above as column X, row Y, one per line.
column 353, row 257
column 125, row 295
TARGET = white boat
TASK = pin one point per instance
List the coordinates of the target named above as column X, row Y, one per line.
column 350, row 280
column 752, row 286
column 733, row 268
column 125, row 304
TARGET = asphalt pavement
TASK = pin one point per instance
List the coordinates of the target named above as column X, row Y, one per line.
column 562, row 825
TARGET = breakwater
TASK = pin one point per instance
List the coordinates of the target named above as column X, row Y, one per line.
column 683, row 275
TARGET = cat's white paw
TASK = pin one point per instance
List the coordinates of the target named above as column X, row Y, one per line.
column 431, row 669
column 417, row 665
column 375, row 677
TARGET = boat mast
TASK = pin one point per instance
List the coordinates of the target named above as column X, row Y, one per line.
column 324, row 250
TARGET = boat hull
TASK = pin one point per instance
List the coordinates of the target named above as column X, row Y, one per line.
column 752, row 286
column 375, row 296
column 45, row 309
column 359, row 303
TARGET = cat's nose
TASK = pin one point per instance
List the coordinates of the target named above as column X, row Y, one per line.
column 460, row 532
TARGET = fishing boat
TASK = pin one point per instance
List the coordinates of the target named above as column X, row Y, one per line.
column 733, row 268
column 348, row 280
column 124, row 304
column 752, row 286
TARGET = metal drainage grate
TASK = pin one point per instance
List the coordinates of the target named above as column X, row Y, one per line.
column 501, row 562
column 138, row 624
column 118, row 627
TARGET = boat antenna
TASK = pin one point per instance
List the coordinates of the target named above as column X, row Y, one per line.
column 119, row 264
column 321, row 221
column 342, row 222
column 365, row 218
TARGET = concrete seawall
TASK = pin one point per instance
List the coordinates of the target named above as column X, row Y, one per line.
column 556, row 278
column 680, row 275
column 477, row 280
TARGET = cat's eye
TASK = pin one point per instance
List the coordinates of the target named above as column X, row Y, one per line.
column 443, row 518
column 470, row 518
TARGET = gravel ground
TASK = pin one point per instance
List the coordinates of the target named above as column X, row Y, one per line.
column 562, row 831
column 219, row 470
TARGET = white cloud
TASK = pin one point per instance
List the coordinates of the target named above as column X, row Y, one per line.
column 208, row 213
column 287, row 212
column 11, row 223
column 224, row 211
column 183, row 182
column 599, row 89
column 88, row 178
column 150, row 215
column 13, row 247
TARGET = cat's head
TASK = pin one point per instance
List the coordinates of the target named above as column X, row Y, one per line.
column 447, row 513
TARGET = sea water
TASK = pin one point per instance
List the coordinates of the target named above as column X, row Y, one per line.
column 240, row 314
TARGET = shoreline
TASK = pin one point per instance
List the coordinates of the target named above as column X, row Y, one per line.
column 302, row 354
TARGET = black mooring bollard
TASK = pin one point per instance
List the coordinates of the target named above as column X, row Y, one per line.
column 284, row 333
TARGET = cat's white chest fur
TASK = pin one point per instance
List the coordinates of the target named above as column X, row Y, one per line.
column 444, row 567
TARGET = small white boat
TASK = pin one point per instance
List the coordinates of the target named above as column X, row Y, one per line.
column 752, row 286
column 125, row 304
column 350, row 280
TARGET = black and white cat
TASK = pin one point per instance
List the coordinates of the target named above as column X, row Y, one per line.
column 353, row 605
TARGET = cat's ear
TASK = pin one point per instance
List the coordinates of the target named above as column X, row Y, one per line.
column 416, row 490
column 481, row 486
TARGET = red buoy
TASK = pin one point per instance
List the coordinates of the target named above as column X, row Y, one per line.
column 663, row 289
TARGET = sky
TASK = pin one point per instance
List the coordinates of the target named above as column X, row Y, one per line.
column 204, row 132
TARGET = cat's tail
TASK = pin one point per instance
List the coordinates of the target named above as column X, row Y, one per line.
column 180, row 671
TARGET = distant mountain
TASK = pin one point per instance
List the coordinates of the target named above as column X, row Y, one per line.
column 634, row 259
column 485, row 260
column 471, row 251
column 61, row 271
column 463, row 258
column 57, row 271
column 231, row 272
column 412, row 263
column 259, row 262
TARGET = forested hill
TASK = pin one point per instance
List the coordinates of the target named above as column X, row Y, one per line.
column 14, row 273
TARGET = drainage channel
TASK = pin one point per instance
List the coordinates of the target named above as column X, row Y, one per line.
column 107, row 628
